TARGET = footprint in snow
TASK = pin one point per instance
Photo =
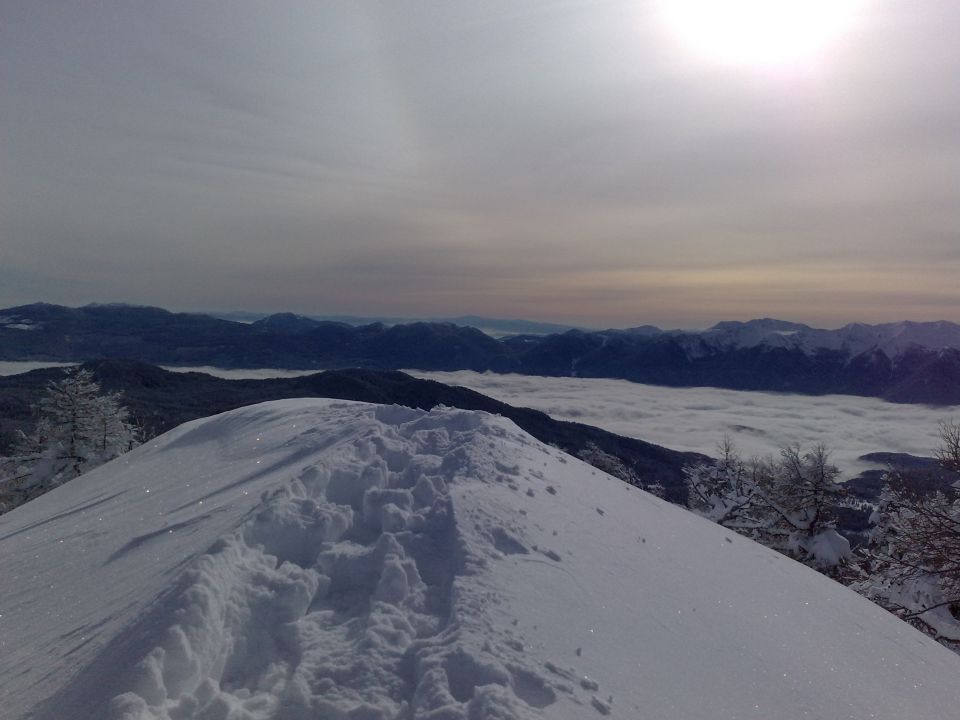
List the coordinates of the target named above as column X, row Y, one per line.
column 549, row 553
column 599, row 705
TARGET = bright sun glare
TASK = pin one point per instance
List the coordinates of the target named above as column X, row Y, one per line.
column 759, row 33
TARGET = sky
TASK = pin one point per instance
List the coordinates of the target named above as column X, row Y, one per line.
column 604, row 163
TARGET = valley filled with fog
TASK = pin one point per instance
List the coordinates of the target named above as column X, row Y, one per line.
column 15, row 367
column 694, row 419
column 697, row 418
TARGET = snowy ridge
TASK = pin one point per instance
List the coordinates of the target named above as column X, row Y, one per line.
column 337, row 600
column 315, row 558
column 856, row 338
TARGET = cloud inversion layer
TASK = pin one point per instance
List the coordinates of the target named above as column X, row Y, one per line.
column 696, row 419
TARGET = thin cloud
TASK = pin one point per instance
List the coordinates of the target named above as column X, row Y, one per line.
column 562, row 161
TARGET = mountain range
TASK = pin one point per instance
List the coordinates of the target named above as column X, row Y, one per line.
column 901, row 362
column 495, row 327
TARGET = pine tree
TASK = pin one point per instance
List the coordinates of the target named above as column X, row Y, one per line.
column 79, row 427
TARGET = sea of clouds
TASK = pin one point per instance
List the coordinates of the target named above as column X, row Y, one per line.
column 15, row 367
column 695, row 419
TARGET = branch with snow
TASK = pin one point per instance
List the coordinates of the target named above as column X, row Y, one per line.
column 787, row 504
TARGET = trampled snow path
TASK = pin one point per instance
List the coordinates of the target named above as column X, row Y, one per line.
column 322, row 559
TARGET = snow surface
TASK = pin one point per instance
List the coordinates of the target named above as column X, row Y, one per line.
column 324, row 559
column 16, row 323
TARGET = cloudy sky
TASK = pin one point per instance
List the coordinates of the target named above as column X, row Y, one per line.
column 607, row 163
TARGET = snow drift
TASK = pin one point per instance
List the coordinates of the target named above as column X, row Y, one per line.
column 324, row 559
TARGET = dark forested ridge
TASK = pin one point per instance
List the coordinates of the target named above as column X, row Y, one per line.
column 160, row 400
column 52, row 332
column 898, row 372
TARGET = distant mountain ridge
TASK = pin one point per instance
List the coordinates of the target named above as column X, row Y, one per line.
column 855, row 338
column 49, row 332
column 495, row 327
column 912, row 362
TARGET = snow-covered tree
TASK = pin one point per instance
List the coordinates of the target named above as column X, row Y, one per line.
column 592, row 454
column 727, row 492
column 610, row 464
column 79, row 427
column 913, row 560
column 786, row 503
column 803, row 493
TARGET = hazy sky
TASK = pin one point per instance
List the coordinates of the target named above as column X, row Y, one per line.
column 568, row 161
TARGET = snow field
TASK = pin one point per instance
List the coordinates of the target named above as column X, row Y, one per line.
column 336, row 600
column 315, row 558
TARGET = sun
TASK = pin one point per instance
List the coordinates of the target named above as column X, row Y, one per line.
column 759, row 33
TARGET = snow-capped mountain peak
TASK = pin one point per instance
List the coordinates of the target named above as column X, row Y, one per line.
column 765, row 331
column 855, row 338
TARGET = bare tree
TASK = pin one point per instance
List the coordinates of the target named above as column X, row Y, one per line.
column 913, row 560
column 948, row 452
column 786, row 503
column 728, row 491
